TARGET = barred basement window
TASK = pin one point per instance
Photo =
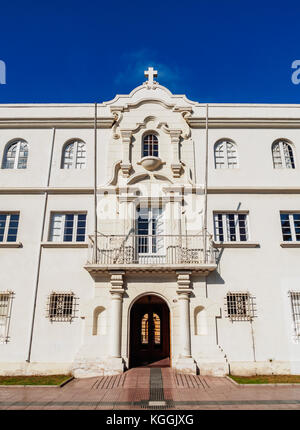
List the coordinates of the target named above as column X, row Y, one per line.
column 295, row 302
column 239, row 306
column 61, row 307
column 5, row 313
column 231, row 227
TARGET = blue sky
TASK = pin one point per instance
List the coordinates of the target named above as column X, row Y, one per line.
column 227, row 51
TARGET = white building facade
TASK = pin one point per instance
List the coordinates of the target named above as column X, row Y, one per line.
column 149, row 228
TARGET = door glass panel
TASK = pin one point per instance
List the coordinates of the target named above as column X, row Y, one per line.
column 156, row 326
column 144, row 329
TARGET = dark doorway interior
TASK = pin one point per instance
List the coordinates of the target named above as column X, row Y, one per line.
column 149, row 331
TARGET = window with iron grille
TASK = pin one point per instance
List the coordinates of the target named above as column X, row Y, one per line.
column 69, row 227
column 16, row 155
column 239, row 306
column 290, row 226
column 61, row 307
column 74, row 155
column 5, row 312
column 226, row 155
column 295, row 303
column 231, row 227
column 283, row 157
column 150, row 146
column 9, row 223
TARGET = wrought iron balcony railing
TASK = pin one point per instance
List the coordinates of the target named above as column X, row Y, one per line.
column 151, row 250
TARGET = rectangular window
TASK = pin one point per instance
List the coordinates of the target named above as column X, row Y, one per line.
column 290, row 226
column 150, row 229
column 68, row 227
column 295, row 302
column 231, row 227
column 9, row 223
column 5, row 311
column 61, row 307
column 239, row 306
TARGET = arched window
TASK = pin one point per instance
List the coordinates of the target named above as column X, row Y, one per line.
column 74, row 155
column 16, row 155
column 150, row 146
column 226, row 155
column 283, row 157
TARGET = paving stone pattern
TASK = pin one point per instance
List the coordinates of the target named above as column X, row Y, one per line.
column 151, row 388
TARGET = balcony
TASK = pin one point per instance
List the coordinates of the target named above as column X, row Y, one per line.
column 156, row 253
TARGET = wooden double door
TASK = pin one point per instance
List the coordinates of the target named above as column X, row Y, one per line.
column 149, row 331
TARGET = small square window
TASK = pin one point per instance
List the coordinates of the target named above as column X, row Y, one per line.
column 61, row 307
column 239, row 306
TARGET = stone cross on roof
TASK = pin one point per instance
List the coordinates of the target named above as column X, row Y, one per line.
column 150, row 73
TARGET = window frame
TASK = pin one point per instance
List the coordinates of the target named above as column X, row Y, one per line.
column 292, row 227
column 54, row 317
column 151, row 243
column 63, row 227
column 152, row 144
column 73, row 164
column 283, row 163
column 7, row 317
column 226, row 227
column 226, row 164
column 7, row 226
column 17, row 142
column 295, row 309
column 249, row 304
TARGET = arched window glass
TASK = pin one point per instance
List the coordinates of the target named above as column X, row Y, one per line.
column 156, row 323
column 150, row 146
column 144, row 329
column 226, row 155
column 74, row 155
column 16, row 155
column 283, row 157
column 150, row 329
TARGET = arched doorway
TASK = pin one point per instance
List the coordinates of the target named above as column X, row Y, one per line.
column 149, row 331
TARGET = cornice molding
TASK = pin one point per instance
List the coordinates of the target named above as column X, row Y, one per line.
column 220, row 122
column 42, row 190
column 76, row 122
column 180, row 189
column 253, row 190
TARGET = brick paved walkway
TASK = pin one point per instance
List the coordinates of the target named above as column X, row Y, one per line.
column 151, row 388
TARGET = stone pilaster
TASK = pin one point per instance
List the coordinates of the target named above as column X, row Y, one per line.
column 126, row 141
column 176, row 164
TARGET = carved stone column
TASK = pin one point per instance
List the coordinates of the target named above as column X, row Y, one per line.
column 185, row 361
column 116, row 363
column 126, row 141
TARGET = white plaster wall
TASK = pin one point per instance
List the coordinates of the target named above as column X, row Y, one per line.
column 268, row 271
